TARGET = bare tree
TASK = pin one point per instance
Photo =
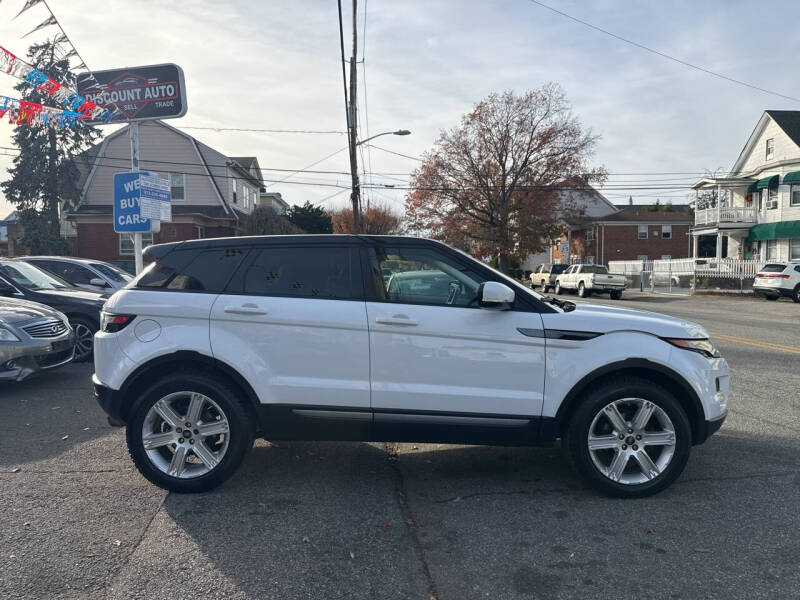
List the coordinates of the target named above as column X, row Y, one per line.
column 493, row 183
column 264, row 220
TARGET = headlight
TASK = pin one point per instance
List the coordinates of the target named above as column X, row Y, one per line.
column 701, row 346
column 7, row 336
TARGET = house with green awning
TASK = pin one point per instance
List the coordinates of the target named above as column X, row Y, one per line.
column 753, row 212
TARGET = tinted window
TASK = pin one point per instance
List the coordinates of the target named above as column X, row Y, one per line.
column 209, row 271
column 161, row 272
column 773, row 268
column 76, row 274
column 558, row 269
column 300, row 272
column 112, row 272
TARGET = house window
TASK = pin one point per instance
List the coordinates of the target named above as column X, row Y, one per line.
column 590, row 260
column 233, row 189
column 794, row 198
column 772, row 200
column 794, row 249
column 126, row 242
column 177, row 184
column 588, row 235
column 772, row 250
column 770, row 150
column 642, row 232
column 201, row 232
column 666, row 257
column 666, row 232
column 642, row 257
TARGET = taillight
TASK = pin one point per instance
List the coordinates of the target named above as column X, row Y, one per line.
column 772, row 275
column 111, row 323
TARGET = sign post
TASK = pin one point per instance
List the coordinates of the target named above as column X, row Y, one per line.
column 139, row 94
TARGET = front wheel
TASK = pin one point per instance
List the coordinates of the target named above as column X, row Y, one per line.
column 796, row 295
column 629, row 438
column 582, row 293
column 189, row 432
column 84, row 338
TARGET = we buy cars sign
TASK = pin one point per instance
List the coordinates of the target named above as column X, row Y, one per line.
column 139, row 93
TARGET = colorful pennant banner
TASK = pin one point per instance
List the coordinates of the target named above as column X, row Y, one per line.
column 70, row 100
column 32, row 113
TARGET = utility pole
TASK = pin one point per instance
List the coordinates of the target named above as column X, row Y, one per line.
column 352, row 121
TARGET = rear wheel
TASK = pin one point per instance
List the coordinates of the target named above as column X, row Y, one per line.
column 558, row 288
column 544, row 286
column 771, row 298
column 84, row 338
column 629, row 438
column 189, row 432
column 616, row 295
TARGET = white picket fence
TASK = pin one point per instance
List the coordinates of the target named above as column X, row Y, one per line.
column 730, row 268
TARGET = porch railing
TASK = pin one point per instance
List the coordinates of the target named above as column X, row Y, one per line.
column 726, row 214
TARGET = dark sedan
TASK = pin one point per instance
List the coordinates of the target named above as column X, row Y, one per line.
column 22, row 280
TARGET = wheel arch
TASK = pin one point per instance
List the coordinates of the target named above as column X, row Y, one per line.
column 145, row 374
column 667, row 378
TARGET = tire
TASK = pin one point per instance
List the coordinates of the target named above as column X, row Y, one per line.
column 582, row 293
column 223, row 449
column 796, row 295
column 667, row 419
column 771, row 298
column 84, row 338
column 558, row 289
column 616, row 295
column 544, row 286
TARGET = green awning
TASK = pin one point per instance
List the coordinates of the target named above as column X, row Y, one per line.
column 793, row 177
column 774, row 231
column 768, row 182
column 753, row 187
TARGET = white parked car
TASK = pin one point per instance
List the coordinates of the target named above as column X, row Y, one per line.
column 588, row 279
column 778, row 279
column 305, row 337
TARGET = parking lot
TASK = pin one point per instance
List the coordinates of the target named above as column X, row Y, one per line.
column 355, row 520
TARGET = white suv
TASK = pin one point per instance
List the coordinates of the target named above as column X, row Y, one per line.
column 391, row 339
column 778, row 279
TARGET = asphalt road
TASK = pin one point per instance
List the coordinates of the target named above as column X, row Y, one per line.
column 349, row 520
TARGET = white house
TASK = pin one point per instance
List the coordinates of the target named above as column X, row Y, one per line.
column 757, row 205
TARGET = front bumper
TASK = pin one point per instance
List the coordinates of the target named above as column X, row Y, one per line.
column 709, row 428
column 20, row 361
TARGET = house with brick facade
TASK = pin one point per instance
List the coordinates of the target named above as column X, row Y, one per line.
column 211, row 192
column 629, row 232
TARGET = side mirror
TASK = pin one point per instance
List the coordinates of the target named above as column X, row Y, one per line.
column 495, row 295
column 97, row 282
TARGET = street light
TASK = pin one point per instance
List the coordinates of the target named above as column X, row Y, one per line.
column 355, row 195
column 398, row 132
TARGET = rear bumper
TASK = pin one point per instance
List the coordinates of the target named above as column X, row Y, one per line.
column 775, row 292
column 109, row 400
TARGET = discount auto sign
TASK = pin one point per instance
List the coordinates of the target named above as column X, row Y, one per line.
column 138, row 93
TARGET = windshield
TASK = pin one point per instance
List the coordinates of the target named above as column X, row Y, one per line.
column 112, row 272
column 32, row 278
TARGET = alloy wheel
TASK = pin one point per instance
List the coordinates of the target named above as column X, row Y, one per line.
column 631, row 441
column 84, row 340
column 185, row 434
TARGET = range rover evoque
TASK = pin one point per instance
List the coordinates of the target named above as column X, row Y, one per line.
column 391, row 339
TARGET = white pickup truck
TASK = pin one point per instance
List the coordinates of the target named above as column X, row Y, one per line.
column 586, row 279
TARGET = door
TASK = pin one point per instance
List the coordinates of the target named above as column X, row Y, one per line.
column 293, row 323
column 442, row 368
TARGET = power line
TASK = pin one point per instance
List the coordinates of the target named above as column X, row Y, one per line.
column 395, row 153
column 253, row 130
column 663, row 55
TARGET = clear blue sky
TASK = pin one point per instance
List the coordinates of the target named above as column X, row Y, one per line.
column 276, row 65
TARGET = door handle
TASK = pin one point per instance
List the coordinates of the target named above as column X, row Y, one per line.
column 244, row 309
column 396, row 320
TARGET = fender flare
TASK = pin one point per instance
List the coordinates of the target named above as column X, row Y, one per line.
column 668, row 378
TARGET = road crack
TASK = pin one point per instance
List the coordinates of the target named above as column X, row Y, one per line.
column 408, row 516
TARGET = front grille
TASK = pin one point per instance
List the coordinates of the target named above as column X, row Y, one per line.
column 46, row 329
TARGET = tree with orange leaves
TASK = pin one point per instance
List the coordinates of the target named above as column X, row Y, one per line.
column 494, row 184
column 378, row 220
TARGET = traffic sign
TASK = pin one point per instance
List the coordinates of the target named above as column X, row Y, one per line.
column 141, row 201
column 139, row 93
